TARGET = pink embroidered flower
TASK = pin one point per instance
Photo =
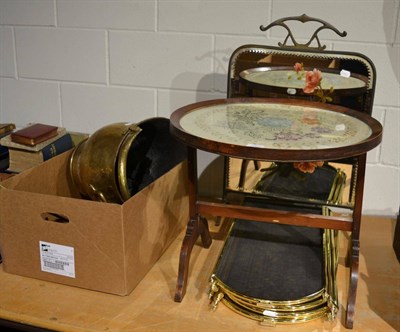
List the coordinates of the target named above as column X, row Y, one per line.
column 310, row 119
column 308, row 166
column 298, row 67
column 313, row 79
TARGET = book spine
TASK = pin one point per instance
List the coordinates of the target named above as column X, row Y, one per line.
column 4, row 158
column 4, row 163
column 3, row 150
column 64, row 143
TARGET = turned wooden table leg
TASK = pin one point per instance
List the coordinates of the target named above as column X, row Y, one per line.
column 351, row 301
column 243, row 169
column 197, row 226
column 205, row 233
column 355, row 240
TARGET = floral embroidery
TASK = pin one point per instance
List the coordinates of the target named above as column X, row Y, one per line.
column 312, row 86
column 298, row 67
column 308, row 167
column 310, row 118
column 313, row 82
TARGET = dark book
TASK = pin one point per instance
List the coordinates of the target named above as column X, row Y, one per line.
column 3, row 151
column 4, row 162
column 21, row 160
column 4, row 158
column 34, row 134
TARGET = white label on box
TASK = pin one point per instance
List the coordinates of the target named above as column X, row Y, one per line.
column 58, row 259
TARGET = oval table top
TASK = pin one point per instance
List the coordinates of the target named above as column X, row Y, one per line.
column 280, row 79
column 275, row 129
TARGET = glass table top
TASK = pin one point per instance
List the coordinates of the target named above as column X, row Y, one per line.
column 274, row 126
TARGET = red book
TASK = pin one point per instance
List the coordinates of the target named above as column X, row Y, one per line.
column 34, row 134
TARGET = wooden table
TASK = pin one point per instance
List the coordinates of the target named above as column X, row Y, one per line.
column 150, row 307
column 280, row 130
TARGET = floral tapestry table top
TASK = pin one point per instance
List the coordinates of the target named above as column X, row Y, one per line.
column 275, row 126
column 287, row 79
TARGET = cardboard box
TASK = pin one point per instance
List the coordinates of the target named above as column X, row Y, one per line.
column 107, row 247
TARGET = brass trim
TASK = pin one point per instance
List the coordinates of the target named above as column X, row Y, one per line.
column 130, row 135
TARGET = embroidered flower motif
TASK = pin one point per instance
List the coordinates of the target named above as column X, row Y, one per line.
column 298, row 67
column 308, row 166
column 310, row 118
column 312, row 86
column 313, row 80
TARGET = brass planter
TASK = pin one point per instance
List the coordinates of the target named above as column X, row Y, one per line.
column 120, row 159
column 98, row 164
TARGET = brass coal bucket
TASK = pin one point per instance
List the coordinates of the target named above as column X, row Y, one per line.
column 120, row 159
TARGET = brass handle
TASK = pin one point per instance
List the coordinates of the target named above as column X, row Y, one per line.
column 303, row 18
column 133, row 127
column 99, row 196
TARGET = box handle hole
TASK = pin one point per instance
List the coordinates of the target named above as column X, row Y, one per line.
column 55, row 217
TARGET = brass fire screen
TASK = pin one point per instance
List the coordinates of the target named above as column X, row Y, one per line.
column 281, row 273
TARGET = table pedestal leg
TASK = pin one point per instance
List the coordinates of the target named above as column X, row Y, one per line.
column 197, row 225
column 353, row 256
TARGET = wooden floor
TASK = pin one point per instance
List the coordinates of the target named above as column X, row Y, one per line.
column 150, row 307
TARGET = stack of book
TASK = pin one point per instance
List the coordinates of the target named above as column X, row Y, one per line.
column 32, row 145
column 5, row 129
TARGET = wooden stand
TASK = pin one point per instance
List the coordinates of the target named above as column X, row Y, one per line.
column 197, row 225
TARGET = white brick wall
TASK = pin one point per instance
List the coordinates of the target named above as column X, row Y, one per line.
column 31, row 12
column 82, row 105
column 83, row 64
column 131, row 63
column 61, row 54
column 123, row 15
column 25, row 101
column 7, row 52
